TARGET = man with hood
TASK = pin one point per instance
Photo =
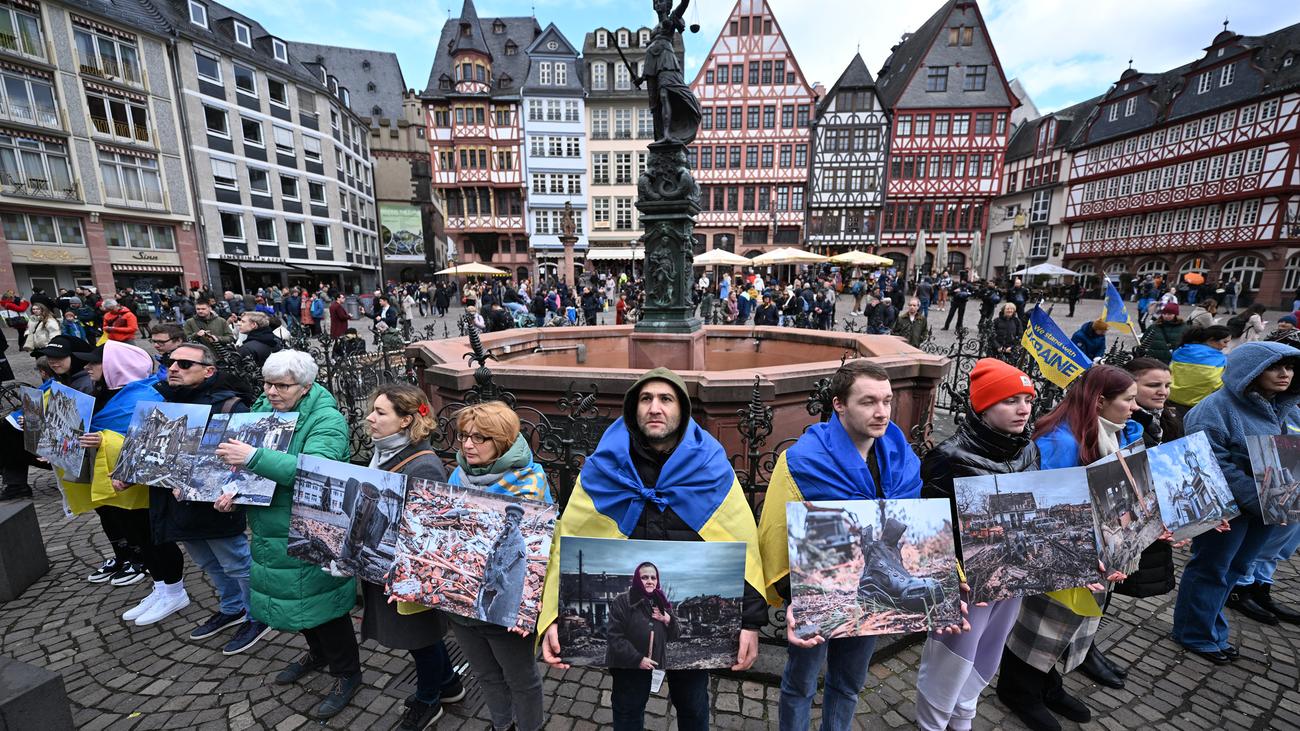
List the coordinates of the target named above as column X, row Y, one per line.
column 657, row 475
column 1260, row 395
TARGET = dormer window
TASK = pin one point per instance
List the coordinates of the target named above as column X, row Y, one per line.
column 622, row 39
column 346, row 97
column 280, row 50
column 376, row 111
column 198, row 13
column 511, row 48
column 602, row 39
column 370, row 86
column 643, row 37
column 505, row 81
column 444, row 82
column 1290, row 59
column 365, row 65
column 242, row 35
column 465, row 31
column 498, row 27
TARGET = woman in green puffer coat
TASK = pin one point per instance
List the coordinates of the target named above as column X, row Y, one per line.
column 286, row 593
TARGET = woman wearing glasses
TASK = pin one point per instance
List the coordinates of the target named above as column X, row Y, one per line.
column 286, row 593
column 494, row 456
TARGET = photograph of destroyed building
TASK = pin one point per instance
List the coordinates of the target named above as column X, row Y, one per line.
column 161, row 444
column 211, row 477
column 1190, row 488
column 1275, row 460
column 689, row 620
column 473, row 553
column 345, row 514
column 33, row 417
column 1125, row 508
column 1026, row 533
column 67, row 416
column 870, row 567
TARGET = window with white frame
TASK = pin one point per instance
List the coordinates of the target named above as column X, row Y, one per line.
column 104, row 55
column 571, row 111
column 41, row 229
column 1226, row 74
column 245, row 80
column 600, row 212
column 602, row 39
column 544, row 73
column 265, row 230
column 1203, row 82
column 1113, row 113
column 40, row 166
column 225, row 175
column 293, row 233
column 289, row 187
column 598, row 76
column 622, row 39
column 316, row 192
column 130, row 180
column 600, row 124
column 215, row 121
column 232, row 226
column 1254, row 160
column 280, row 50
column 311, row 148
column 561, row 73
column 21, row 32
column 1038, row 208
column 278, row 92
column 623, row 214
column 1153, row 267
column 283, row 140
column 209, row 67
column 1040, row 242
column 322, row 236
column 622, row 79
column 198, row 13
column 259, row 181
column 243, row 36
column 1291, row 281
column 1130, row 106
column 1247, row 270
column 1250, row 212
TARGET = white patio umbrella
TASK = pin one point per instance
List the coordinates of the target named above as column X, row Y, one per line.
column 786, row 255
column 862, row 259
column 1048, row 269
column 473, row 269
column 721, row 258
column 976, row 252
column 941, row 253
column 918, row 256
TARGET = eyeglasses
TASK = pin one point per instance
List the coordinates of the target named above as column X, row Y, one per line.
column 183, row 363
column 269, row 386
column 476, row 438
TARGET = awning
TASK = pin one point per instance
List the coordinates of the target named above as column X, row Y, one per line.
column 615, row 254
column 322, row 268
column 150, row 268
column 261, row 266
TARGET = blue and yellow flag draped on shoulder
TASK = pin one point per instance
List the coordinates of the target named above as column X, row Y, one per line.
column 697, row 482
column 1116, row 313
column 1058, row 358
column 1197, row 370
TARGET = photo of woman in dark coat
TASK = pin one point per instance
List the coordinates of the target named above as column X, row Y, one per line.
column 641, row 623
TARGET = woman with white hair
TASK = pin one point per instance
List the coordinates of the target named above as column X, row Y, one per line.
column 286, row 593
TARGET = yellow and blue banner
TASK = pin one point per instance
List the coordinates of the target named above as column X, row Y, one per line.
column 1060, row 360
column 1116, row 313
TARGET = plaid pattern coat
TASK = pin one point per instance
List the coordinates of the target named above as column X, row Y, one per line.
column 1047, row 632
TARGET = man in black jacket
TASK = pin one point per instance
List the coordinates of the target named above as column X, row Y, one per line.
column 960, row 294
column 766, row 314
column 214, row 540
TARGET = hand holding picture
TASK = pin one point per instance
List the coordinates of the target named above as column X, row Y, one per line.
column 234, row 452
column 793, row 638
column 551, row 648
column 748, row 650
column 225, row 503
column 91, row 440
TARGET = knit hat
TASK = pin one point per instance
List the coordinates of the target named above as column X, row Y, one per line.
column 1170, row 308
column 1288, row 319
column 992, row 380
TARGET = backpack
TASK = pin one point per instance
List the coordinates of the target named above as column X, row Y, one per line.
column 317, row 307
column 1237, row 324
column 857, row 288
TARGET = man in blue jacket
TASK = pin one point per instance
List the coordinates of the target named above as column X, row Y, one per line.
column 1260, row 395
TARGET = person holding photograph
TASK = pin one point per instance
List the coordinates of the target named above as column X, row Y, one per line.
column 956, row 667
column 494, row 456
column 860, row 454
column 1093, row 420
column 657, row 475
column 1260, row 395
column 400, row 422
column 65, row 356
column 641, row 623
column 285, row 593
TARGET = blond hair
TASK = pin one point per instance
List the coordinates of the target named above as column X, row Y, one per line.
column 492, row 419
column 407, row 400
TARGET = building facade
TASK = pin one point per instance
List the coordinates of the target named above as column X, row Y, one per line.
column 847, row 176
column 949, row 105
column 555, row 148
column 620, row 128
column 94, row 186
column 1196, row 169
column 475, row 134
column 751, row 154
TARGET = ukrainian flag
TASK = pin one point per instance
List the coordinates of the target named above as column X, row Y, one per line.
column 1116, row 312
column 1058, row 358
column 1197, row 370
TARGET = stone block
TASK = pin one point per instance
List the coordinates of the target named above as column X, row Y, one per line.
column 22, row 552
column 32, row 697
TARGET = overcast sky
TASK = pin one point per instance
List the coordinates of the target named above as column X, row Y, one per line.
column 1063, row 52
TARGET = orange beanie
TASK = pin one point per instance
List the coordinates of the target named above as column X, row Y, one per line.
column 992, row 380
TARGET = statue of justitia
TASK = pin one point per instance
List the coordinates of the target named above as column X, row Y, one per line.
column 674, row 108
column 568, row 226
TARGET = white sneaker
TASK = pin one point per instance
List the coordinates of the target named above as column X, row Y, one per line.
column 164, row 607
column 143, row 606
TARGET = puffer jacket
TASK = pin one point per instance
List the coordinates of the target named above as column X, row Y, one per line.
column 286, row 593
column 976, row 449
column 259, row 344
column 1235, row 411
column 1161, row 339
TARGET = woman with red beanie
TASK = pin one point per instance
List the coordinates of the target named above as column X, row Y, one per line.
column 955, row 668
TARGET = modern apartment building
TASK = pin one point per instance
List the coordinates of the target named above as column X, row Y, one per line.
column 94, row 187
column 281, row 164
column 555, row 148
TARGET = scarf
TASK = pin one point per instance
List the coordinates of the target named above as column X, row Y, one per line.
column 1150, row 421
column 388, row 447
column 1108, row 436
column 483, row 477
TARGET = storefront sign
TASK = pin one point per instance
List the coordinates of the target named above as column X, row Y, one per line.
column 144, row 256
column 119, row 255
column 28, row 254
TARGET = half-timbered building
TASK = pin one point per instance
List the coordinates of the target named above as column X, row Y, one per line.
column 949, row 103
column 1196, row 169
column 751, row 154
column 846, row 178
column 472, row 107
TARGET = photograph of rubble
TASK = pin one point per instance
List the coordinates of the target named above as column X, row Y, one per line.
column 1275, row 460
column 871, row 567
column 667, row 605
column 1191, row 489
column 161, row 443
column 1125, row 509
column 67, row 417
column 347, row 515
column 1026, row 533
column 473, row 553
column 33, row 417
column 210, row 477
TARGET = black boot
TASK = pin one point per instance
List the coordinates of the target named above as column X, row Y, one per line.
column 16, row 492
column 1242, row 599
column 1120, row 671
column 1095, row 666
column 1062, row 703
column 884, row 578
column 1022, row 688
column 1264, row 598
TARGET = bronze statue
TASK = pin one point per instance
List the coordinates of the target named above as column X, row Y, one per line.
column 675, row 109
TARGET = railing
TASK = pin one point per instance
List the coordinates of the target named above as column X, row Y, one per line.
column 111, row 70
column 121, row 130
column 10, row 42
column 32, row 115
column 37, row 188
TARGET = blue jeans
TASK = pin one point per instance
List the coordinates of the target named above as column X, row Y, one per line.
column 925, row 307
column 846, row 660
column 1218, row 560
column 1280, row 546
column 226, row 561
column 688, row 690
column 433, row 672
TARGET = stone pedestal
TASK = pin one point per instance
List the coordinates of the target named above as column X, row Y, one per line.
column 22, row 552
column 677, row 351
column 32, row 697
column 566, row 266
column 668, row 199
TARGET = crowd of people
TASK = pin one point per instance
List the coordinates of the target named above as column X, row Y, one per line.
column 656, row 474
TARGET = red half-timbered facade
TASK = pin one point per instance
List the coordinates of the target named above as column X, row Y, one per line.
column 472, row 109
column 949, row 104
column 751, row 154
column 1196, row 169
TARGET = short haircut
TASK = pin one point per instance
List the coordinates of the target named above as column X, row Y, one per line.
column 492, row 419
column 293, row 364
column 849, row 373
column 261, row 319
column 110, row 302
column 1142, row 365
column 209, row 357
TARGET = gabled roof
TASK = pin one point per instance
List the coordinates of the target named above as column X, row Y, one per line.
column 855, row 76
column 505, row 68
column 551, row 33
column 1069, row 121
column 357, row 69
column 469, row 32
column 908, row 54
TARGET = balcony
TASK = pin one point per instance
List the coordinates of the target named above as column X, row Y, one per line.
column 110, row 70
column 28, row 114
column 24, row 47
column 37, row 188
column 623, row 134
column 121, row 130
